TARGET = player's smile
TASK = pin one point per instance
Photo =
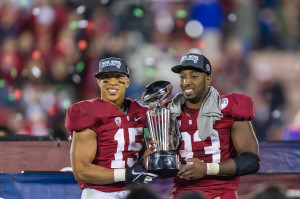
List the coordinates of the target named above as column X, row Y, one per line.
column 112, row 91
column 188, row 91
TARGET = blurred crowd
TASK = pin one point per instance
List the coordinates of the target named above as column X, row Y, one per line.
column 50, row 49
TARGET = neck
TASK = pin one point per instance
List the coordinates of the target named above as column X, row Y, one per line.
column 196, row 103
column 118, row 103
column 191, row 105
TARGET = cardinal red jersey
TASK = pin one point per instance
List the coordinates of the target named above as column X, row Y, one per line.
column 119, row 136
column 216, row 148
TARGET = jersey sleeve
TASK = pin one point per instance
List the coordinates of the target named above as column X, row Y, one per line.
column 238, row 106
column 80, row 116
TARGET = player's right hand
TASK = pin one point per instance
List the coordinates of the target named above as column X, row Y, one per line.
column 136, row 173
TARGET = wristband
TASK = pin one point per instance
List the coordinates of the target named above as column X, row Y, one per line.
column 119, row 175
column 212, row 168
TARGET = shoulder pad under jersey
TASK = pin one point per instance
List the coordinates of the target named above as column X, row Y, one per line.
column 238, row 106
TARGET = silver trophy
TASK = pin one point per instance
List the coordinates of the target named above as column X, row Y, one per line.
column 162, row 161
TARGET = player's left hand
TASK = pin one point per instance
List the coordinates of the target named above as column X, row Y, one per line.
column 194, row 171
column 137, row 174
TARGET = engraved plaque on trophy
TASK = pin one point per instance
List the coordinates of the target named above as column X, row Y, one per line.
column 161, row 161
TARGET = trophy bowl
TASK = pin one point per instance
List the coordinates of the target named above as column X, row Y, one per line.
column 161, row 161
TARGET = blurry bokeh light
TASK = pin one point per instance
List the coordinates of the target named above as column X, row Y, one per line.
column 149, row 61
column 81, row 9
column 276, row 113
column 17, row 94
column 76, row 78
column 13, row 73
column 2, row 83
column 83, row 23
column 10, row 97
column 164, row 22
column 36, row 11
column 24, row 72
column 24, row 3
column 150, row 72
column 36, row 71
column 171, row 51
column 201, row 44
column 138, row 12
column 232, row 17
column 52, row 111
column 181, row 13
column 194, row 29
column 82, row 44
column 8, row 58
column 90, row 25
column 36, row 54
column 79, row 67
column 66, row 103
column 73, row 25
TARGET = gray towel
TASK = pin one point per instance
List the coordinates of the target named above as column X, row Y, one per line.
column 209, row 112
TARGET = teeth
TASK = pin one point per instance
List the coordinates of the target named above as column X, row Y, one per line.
column 112, row 91
column 188, row 91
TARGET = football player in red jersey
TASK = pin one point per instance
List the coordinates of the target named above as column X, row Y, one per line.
column 107, row 136
column 213, row 135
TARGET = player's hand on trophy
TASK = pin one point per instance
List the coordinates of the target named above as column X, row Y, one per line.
column 137, row 174
column 196, row 170
column 150, row 141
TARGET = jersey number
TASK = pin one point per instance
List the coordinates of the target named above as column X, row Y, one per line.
column 214, row 149
column 118, row 162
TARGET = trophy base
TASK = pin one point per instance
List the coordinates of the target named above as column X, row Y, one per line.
column 163, row 163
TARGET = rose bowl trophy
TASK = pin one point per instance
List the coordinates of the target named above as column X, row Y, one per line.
column 161, row 161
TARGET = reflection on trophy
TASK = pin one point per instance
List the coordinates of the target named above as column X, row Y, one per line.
column 162, row 161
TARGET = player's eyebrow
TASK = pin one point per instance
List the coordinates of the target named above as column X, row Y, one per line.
column 106, row 81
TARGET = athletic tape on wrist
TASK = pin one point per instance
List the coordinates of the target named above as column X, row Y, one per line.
column 119, row 175
column 212, row 169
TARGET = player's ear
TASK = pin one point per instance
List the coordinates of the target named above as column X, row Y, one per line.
column 98, row 82
column 208, row 80
column 127, row 82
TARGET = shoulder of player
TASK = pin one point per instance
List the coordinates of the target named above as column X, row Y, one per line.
column 137, row 104
column 85, row 114
column 87, row 106
column 234, row 99
column 85, row 103
column 237, row 105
